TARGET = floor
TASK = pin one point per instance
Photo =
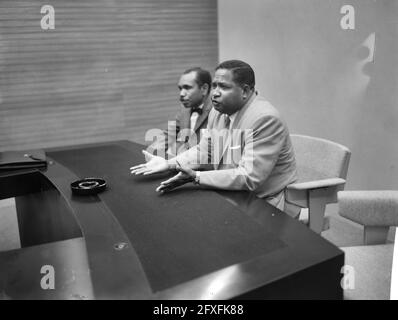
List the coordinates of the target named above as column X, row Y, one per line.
column 9, row 234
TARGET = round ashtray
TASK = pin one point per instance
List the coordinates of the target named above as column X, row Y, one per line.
column 88, row 186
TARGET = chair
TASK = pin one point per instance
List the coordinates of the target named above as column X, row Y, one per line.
column 371, row 271
column 376, row 211
column 322, row 169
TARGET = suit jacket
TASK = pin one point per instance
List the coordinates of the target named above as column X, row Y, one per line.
column 255, row 154
column 179, row 136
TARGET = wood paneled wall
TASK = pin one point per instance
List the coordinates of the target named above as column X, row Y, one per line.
column 107, row 71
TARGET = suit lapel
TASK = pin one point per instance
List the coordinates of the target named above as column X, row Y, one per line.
column 237, row 121
column 242, row 112
column 185, row 121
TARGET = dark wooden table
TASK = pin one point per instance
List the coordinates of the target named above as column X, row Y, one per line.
column 130, row 242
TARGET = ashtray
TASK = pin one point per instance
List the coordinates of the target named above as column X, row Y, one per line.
column 88, row 186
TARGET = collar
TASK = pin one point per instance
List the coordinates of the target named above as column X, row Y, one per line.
column 233, row 116
column 198, row 109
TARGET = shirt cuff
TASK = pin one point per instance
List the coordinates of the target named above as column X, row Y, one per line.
column 197, row 178
column 172, row 164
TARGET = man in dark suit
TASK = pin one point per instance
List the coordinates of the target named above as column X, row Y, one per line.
column 185, row 132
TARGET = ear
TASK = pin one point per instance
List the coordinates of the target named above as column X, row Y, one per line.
column 246, row 91
column 205, row 89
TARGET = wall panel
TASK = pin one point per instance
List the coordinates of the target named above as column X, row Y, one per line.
column 107, row 71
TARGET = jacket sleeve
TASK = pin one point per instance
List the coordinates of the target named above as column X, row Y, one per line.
column 166, row 138
column 199, row 156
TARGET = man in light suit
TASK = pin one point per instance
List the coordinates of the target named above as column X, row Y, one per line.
column 185, row 132
column 255, row 152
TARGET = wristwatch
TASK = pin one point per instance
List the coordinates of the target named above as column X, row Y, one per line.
column 197, row 178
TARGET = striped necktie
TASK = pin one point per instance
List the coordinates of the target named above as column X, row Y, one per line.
column 227, row 121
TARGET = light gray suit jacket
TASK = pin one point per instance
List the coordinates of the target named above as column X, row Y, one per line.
column 256, row 154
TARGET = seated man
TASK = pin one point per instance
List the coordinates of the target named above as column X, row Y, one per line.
column 183, row 133
column 255, row 154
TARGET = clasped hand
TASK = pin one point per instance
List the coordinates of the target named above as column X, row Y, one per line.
column 157, row 164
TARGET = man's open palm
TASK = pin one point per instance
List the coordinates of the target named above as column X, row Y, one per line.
column 154, row 164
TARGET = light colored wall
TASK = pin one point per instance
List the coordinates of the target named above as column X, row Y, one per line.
column 319, row 76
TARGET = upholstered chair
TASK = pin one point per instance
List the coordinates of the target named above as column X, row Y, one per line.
column 322, row 168
column 370, row 264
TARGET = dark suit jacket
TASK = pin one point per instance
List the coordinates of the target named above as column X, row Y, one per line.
column 179, row 136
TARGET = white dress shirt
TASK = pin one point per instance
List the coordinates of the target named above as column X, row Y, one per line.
column 194, row 117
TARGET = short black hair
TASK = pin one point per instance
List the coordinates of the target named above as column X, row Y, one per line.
column 242, row 72
column 202, row 76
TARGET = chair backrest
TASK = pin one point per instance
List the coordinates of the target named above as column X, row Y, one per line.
column 319, row 158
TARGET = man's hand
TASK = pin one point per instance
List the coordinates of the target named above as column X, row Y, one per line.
column 154, row 164
column 184, row 176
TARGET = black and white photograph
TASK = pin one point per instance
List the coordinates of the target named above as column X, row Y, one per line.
column 215, row 151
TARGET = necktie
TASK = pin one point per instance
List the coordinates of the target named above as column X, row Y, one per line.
column 225, row 138
column 227, row 122
column 197, row 110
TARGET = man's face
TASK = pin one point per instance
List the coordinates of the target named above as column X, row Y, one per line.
column 191, row 95
column 226, row 95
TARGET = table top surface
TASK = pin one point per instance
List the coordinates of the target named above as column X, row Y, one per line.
column 190, row 243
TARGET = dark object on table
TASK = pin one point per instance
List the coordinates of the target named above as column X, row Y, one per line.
column 88, row 186
column 13, row 160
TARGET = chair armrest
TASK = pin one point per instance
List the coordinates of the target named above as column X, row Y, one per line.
column 370, row 207
column 316, row 184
